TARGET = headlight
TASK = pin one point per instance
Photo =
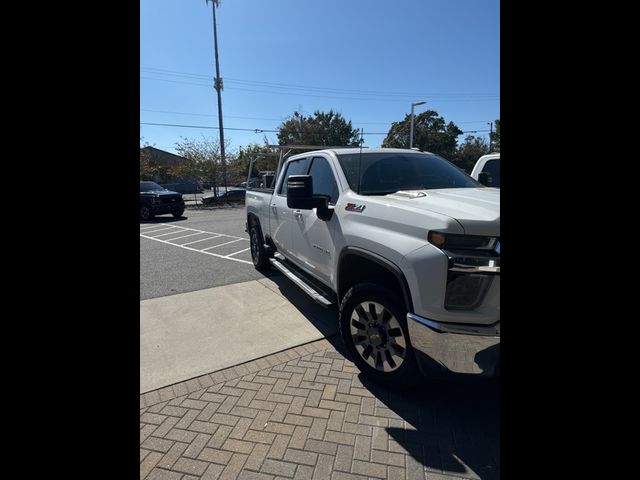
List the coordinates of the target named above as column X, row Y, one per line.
column 452, row 241
column 155, row 200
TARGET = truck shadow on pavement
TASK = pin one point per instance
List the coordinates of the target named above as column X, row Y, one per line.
column 166, row 219
column 445, row 426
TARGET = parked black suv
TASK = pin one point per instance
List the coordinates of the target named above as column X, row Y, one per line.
column 157, row 200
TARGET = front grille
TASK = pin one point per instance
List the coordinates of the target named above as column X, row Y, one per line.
column 465, row 291
column 170, row 200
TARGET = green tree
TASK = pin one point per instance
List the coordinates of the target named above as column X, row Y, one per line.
column 495, row 137
column 430, row 133
column 202, row 161
column 323, row 128
column 468, row 153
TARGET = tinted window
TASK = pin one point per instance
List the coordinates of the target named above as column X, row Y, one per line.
column 150, row 187
column 384, row 173
column 295, row 167
column 324, row 182
column 492, row 167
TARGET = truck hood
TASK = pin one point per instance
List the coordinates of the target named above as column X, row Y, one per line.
column 476, row 209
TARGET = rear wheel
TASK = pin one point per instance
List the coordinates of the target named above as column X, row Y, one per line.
column 258, row 254
column 178, row 213
column 374, row 329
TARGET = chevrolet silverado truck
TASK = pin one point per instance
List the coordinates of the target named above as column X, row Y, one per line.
column 404, row 243
column 157, row 200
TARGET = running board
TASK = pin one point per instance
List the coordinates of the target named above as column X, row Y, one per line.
column 302, row 283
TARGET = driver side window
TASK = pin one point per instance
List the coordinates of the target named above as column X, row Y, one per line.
column 324, row 182
column 295, row 167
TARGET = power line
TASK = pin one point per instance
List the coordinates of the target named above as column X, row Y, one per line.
column 256, row 130
column 161, row 71
column 210, row 115
column 437, row 101
column 263, row 130
column 281, row 119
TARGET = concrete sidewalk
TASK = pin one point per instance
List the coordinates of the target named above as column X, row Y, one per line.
column 188, row 335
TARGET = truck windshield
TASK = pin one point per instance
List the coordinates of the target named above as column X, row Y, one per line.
column 384, row 173
column 150, row 187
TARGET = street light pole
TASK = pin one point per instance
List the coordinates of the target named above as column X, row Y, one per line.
column 217, row 84
column 411, row 128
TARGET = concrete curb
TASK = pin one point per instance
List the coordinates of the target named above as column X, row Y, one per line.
column 186, row 387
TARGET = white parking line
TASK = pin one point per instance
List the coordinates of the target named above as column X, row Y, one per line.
column 170, row 233
column 196, row 241
column 196, row 250
column 147, row 232
column 226, row 243
column 143, row 233
column 236, row 253
column 185, row 236
column 204, row 231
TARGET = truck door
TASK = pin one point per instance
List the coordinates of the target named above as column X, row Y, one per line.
column 313, row 238
column 281, row 216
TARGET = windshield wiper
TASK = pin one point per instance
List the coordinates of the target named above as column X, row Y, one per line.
column 378, row 192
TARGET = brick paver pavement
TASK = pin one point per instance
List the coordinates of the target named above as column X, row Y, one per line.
column 307, row 413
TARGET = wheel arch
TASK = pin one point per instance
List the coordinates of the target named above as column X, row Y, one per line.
column 356, row 265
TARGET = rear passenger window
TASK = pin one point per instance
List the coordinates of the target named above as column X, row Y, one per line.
column 324, row 182
column 295, row 167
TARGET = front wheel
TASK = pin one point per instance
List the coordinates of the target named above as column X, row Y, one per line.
column 178, row 213
column 258, row 254
column 145, row 213
column 374, row 329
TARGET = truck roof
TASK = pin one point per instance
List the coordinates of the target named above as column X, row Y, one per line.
column 364, row 151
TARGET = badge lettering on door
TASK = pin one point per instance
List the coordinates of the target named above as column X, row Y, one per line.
column 352, row 207
column 323, row 250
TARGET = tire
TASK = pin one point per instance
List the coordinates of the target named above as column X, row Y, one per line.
column 380, row 345
column 258, row 254
column 178, row 213
column 145, row 213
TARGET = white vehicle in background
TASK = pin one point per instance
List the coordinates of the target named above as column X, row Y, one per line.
column 487, row 170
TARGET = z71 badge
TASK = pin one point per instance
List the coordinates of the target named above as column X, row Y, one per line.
column 352, row 207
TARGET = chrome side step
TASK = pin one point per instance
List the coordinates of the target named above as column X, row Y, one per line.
column 302, row 283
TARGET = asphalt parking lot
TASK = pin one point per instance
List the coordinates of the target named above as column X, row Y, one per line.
column 203, row 249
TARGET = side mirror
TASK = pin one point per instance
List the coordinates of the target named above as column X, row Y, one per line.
column 300, row 192
column 485, row 179
column 300, row 195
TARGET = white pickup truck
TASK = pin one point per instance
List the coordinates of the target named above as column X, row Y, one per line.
column 403, row 242
column 487, row 170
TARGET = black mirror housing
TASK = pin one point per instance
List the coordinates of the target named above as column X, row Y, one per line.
column 484, row 178
column 300, row 195
column 300, row 192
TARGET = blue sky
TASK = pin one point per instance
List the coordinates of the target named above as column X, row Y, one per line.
column 367, row 59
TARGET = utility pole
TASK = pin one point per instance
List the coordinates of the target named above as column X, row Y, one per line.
column 490, row 135
column 411, row 126
column 217, row 84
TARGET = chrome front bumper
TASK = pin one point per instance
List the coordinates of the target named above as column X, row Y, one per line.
column 465, row 349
